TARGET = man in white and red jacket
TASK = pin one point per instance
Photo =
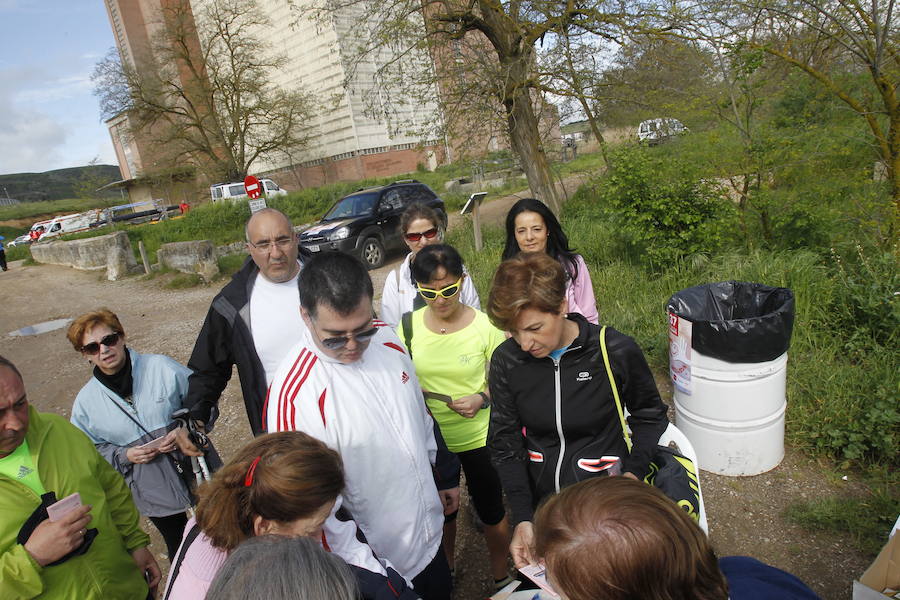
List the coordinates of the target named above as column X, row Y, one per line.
column 350, row 383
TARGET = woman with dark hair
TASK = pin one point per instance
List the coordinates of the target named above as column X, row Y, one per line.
column 451, row 345
column 617, row 539
column 420, row 226
column 126, row 410
column 532, row 227
column 549, row 381
column 281, row 483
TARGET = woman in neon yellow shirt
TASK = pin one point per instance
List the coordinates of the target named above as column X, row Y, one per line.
column 451, row 344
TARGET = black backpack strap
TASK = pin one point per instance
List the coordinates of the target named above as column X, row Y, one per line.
column 182, row 551
column 406, row 321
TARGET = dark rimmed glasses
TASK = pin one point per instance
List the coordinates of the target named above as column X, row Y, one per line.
column 108, row 340
column 415, row 237
column 445, row 292
column 337, row 343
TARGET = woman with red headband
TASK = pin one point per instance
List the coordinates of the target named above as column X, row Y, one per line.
column 281, row 483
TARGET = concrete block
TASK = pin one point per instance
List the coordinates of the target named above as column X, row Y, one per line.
column 116, row 263
column 88, row 254
column 196, row 257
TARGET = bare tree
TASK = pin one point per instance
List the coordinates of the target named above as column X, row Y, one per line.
column 824, row 38
column 201, row 92
column 483, row 53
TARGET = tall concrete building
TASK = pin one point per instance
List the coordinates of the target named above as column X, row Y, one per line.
column 346, row 142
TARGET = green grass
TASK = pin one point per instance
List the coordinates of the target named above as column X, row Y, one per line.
column 865, row 521
column 231, row 264
column 184, row 280
column 26, row 210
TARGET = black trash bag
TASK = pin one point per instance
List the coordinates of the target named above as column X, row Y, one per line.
column 736, row 321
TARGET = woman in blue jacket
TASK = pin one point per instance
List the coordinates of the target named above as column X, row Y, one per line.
column 126, row 410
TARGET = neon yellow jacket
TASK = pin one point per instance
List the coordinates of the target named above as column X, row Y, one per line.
column 67, row 462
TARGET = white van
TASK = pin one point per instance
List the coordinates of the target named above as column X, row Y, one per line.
column 235, row 191
column 66, row 224
column 654, row 131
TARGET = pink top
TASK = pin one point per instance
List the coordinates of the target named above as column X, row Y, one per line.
column 580, row 293
column 198, row 568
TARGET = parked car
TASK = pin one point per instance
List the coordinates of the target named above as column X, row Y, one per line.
column 236, row 191
column 654, row 131
column 22, row 240
column 366, row 223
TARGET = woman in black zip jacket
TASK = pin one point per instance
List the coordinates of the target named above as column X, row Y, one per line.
column 554, row 420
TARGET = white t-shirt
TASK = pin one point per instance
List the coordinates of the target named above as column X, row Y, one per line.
column 275, row 321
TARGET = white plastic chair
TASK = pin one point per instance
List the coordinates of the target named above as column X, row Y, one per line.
column 684, row 447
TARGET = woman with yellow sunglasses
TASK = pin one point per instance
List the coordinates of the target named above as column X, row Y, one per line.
column 451, row 345
column 421, row 227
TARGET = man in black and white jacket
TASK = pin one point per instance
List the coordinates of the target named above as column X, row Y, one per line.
column 251, row 323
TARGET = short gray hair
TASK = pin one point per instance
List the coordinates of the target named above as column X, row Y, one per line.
column 274, row 567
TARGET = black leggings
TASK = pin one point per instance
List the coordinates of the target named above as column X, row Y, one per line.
column 172, row 529
column 483, row 484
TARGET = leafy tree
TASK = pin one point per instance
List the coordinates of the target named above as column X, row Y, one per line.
column 827, row 38
column 483, row 53
column 201, row 92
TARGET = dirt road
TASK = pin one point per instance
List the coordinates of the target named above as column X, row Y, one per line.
column 744, row 513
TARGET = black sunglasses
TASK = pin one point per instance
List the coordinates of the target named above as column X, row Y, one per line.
column 108, row 341
column 415, row 237
column 336, row 343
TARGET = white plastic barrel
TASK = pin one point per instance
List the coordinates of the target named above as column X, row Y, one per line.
column 734, row 416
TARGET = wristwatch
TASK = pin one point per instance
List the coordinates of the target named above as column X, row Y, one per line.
column 486, row 401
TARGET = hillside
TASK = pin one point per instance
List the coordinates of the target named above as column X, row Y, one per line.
column 56, row 185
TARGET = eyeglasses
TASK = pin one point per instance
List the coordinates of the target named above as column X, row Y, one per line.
column 283, row 244
column 415, row 237
column 107, row 340
column 336, row 343
column 445, row 292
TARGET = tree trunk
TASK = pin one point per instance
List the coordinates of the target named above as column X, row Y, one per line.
column 524, row 134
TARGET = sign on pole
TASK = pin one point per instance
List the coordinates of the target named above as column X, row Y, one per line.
column 252, row 187
column 473, row 204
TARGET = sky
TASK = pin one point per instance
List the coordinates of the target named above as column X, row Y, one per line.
column 49, row 117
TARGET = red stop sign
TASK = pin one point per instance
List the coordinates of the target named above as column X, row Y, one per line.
column 252, row 187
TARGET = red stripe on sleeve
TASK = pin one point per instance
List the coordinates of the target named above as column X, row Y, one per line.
column 281, row 422
column 322, row 406
column 305, row 369
column 395, row 347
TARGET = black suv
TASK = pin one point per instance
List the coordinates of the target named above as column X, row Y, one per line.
column 367, row 222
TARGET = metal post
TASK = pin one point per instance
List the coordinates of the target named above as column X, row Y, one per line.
column 476, row 224
column 144, row 258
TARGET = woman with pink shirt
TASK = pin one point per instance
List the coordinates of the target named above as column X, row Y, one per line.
column 279, row 484
column 532, row 227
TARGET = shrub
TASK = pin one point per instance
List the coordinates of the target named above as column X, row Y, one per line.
column 664, row 209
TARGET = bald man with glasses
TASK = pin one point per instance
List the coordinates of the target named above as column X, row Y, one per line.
column 252, row 324
column 350, row 383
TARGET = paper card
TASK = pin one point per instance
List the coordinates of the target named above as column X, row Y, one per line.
column 60, row 509
column 538, row 574
column 156, row 443
column 680, row 331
